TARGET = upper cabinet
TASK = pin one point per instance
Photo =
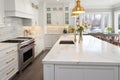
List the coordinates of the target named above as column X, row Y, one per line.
column 35, row 6
column 57, row 15
column 2, row 15
column 19, row 8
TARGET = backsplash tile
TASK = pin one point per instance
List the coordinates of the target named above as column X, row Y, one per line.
column 13, row 28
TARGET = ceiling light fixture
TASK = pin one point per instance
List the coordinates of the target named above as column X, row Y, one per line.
column 75, row 14
column 78, row 8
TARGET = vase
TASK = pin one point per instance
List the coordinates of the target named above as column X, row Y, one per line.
column 80, row 37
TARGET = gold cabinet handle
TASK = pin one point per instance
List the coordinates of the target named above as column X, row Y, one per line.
column 10, row 51
column 10, row 60
column 10, row 71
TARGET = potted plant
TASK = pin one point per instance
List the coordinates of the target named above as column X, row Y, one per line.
column 109, row 29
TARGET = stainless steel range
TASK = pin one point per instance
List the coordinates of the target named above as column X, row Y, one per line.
column 25, row 50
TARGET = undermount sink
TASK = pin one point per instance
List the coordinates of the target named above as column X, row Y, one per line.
column 66, row 42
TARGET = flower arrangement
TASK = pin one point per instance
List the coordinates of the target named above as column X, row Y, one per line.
column 80, row 29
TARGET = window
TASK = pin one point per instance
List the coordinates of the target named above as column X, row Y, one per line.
column 119, row 21
column 96, row 21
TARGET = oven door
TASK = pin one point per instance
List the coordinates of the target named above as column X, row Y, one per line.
column 26, row 55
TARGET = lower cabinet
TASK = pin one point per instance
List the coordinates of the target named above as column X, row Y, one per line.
column 71, row 72
column 9, row 71
column 8, row 62
column 39, row 46
column 119, row 72
column 86, row 73
column 48, row 72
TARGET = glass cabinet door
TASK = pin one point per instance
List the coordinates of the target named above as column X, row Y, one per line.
column 66, row 18
column 48, row 18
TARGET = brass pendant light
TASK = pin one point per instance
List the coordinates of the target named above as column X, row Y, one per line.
column 75, row 14
column 78, row 8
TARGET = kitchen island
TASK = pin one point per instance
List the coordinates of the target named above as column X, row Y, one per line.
column 91, row 59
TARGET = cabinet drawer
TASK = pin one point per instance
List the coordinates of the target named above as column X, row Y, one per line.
column 8, row 52
column 8, row 60
column 8, row 72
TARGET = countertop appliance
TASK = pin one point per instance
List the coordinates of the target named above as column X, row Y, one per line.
column 25, row 50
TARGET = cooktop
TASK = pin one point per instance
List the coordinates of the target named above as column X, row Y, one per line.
column 23, row 38
column 13, row 41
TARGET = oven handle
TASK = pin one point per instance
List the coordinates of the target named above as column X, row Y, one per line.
column 32, row 43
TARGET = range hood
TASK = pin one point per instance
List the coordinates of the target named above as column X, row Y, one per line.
column 19, row 8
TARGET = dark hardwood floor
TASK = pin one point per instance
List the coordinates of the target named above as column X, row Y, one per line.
column 34, row 71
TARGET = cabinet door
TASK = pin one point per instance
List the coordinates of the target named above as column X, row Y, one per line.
column 39, row 46
column 19, row 5
column 48, row 72
column 119, row 72
column 49, row 18
column 28, row 6
column 57, row 18
column 86, row 73
column 68, row 73
column 2, row 12
column 101, row 73
column 35, row 20
column 66, row 18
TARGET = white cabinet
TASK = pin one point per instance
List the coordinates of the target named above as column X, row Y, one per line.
column 77, row 72
column 35, row 20
column 57, row 18
column 2, row 15
column 57, row 15
column 9, row 62
column 119, row 72
column 19, row 8
column 49, row 72
column 86, row 72
column 39, row 45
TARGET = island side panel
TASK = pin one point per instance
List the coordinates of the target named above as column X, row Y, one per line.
column 71, row 72
column 48, row 71
column 119, row 72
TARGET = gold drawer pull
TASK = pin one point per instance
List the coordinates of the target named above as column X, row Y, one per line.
column 10, row 71
column 10, row 60
column 10, row 51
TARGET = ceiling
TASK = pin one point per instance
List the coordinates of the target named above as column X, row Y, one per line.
column 87, row 3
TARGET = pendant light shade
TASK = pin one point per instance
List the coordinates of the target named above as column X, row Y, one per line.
column 75, row 14
column 78, row 8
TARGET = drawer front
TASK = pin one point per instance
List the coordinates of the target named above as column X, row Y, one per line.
column 8, row 72
column 9, row 60
column 8, row 52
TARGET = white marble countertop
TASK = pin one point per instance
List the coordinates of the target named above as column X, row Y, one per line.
column 90, row 51
column 7, row 45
